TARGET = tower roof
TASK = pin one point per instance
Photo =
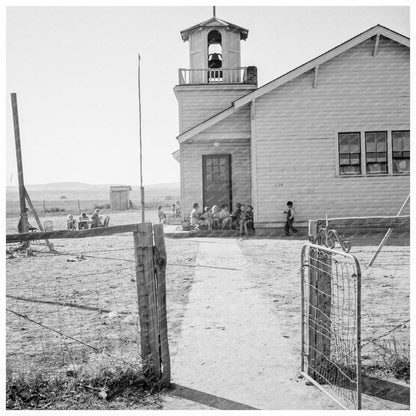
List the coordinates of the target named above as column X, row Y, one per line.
column 214, row 22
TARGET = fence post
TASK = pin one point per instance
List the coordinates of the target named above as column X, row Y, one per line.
column 79, row 206
column 161, row 261
column 146, row 293
column 319, row 311
column 35, row 214
column 44, row 207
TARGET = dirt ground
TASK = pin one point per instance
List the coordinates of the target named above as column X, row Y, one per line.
column 197, row 288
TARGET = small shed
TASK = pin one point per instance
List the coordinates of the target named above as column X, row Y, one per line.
column 120, row 197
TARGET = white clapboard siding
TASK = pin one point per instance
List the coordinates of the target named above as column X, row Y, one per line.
column 197, row 103
column 296, row 134
column 191, row 170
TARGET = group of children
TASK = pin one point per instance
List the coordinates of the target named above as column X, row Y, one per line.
column 240, row 219
column 221, row 219
column 84, row 221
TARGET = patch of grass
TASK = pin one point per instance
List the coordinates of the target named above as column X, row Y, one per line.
column 397, row 367
column 401, row 368
column 111, row 389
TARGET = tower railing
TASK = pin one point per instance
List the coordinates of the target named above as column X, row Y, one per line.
column 239, row 75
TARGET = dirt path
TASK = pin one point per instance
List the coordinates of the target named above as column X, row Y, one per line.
column 232, row 348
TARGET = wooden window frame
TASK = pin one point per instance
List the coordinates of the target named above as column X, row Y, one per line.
column 367, row 173
column 363, row 153
column 339, row 159
column 392, row 152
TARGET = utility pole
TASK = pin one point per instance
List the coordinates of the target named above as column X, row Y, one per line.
column 141, row 149
column 23, row 213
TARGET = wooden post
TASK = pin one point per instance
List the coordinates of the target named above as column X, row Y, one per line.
column 320, row 271
column 23, row 212
column 146, row 293
column 386, row 237
column 312, row 312
column 79, row 206
column 312, row 230
column 35, row 214
column 44, row 207
column 161, row 261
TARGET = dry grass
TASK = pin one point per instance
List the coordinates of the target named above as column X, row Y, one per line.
column 385, row 298
column 73, row 319
column 41, row 362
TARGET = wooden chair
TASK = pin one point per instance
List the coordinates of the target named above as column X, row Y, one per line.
column 105, row 222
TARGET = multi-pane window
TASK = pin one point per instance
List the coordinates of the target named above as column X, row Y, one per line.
column 376, row 151
column 401, row 151
column 349, row 148
column 215, row 169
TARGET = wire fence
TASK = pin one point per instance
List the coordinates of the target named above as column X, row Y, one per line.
column 385, row 298
column 76, row 311
column 386, row 310
column 331, row 289
column 384, row 341
column 76, row 206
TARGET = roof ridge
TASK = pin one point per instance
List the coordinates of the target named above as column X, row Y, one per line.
column 185, row 32
column 301, row 69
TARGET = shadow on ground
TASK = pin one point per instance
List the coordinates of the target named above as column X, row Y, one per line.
column 207, row 399
column 386, row 390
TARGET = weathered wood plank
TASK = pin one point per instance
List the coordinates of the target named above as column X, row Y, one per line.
column 376, row 43
column 315, row 77
column 160, row 262
column 23, row 214
column 142, row 297
column 367, row 222
column 312, row 312
column 146, row 293
column 92, row 232
column 320, row 273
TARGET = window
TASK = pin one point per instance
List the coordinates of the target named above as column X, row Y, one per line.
column 349, row 148
column 376, row 152
column 401, row 151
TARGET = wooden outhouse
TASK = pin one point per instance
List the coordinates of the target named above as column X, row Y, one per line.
column 119, row 197
column 332, row 135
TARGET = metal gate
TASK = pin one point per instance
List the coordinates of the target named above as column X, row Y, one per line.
column 331, row 320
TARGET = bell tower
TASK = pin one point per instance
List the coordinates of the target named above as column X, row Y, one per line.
column 214, row 45
column 215, row 77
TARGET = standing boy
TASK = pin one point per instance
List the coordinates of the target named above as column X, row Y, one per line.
column 244, row 219
column 290, row 217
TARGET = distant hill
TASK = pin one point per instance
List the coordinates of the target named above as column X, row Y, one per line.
column 85, row 191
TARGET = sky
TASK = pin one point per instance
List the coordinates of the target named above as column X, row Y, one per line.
column 75, row 72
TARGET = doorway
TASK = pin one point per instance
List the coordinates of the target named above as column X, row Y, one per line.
column 216, row 171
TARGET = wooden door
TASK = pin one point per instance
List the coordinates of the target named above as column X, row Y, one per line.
column 216, row 180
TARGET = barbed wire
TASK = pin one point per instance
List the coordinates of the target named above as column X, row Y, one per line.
column 386, row 333
column 69, row 337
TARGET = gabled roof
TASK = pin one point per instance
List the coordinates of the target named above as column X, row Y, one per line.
column 343, row 47
column 214, row 22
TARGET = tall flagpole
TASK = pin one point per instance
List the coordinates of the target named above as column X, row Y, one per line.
column 141, row 150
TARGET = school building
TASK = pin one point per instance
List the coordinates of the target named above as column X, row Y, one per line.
column 332, row 135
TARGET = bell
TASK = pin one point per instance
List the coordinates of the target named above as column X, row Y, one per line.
column 214, row 60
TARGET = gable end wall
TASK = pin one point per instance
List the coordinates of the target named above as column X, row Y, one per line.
column 296, row 133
